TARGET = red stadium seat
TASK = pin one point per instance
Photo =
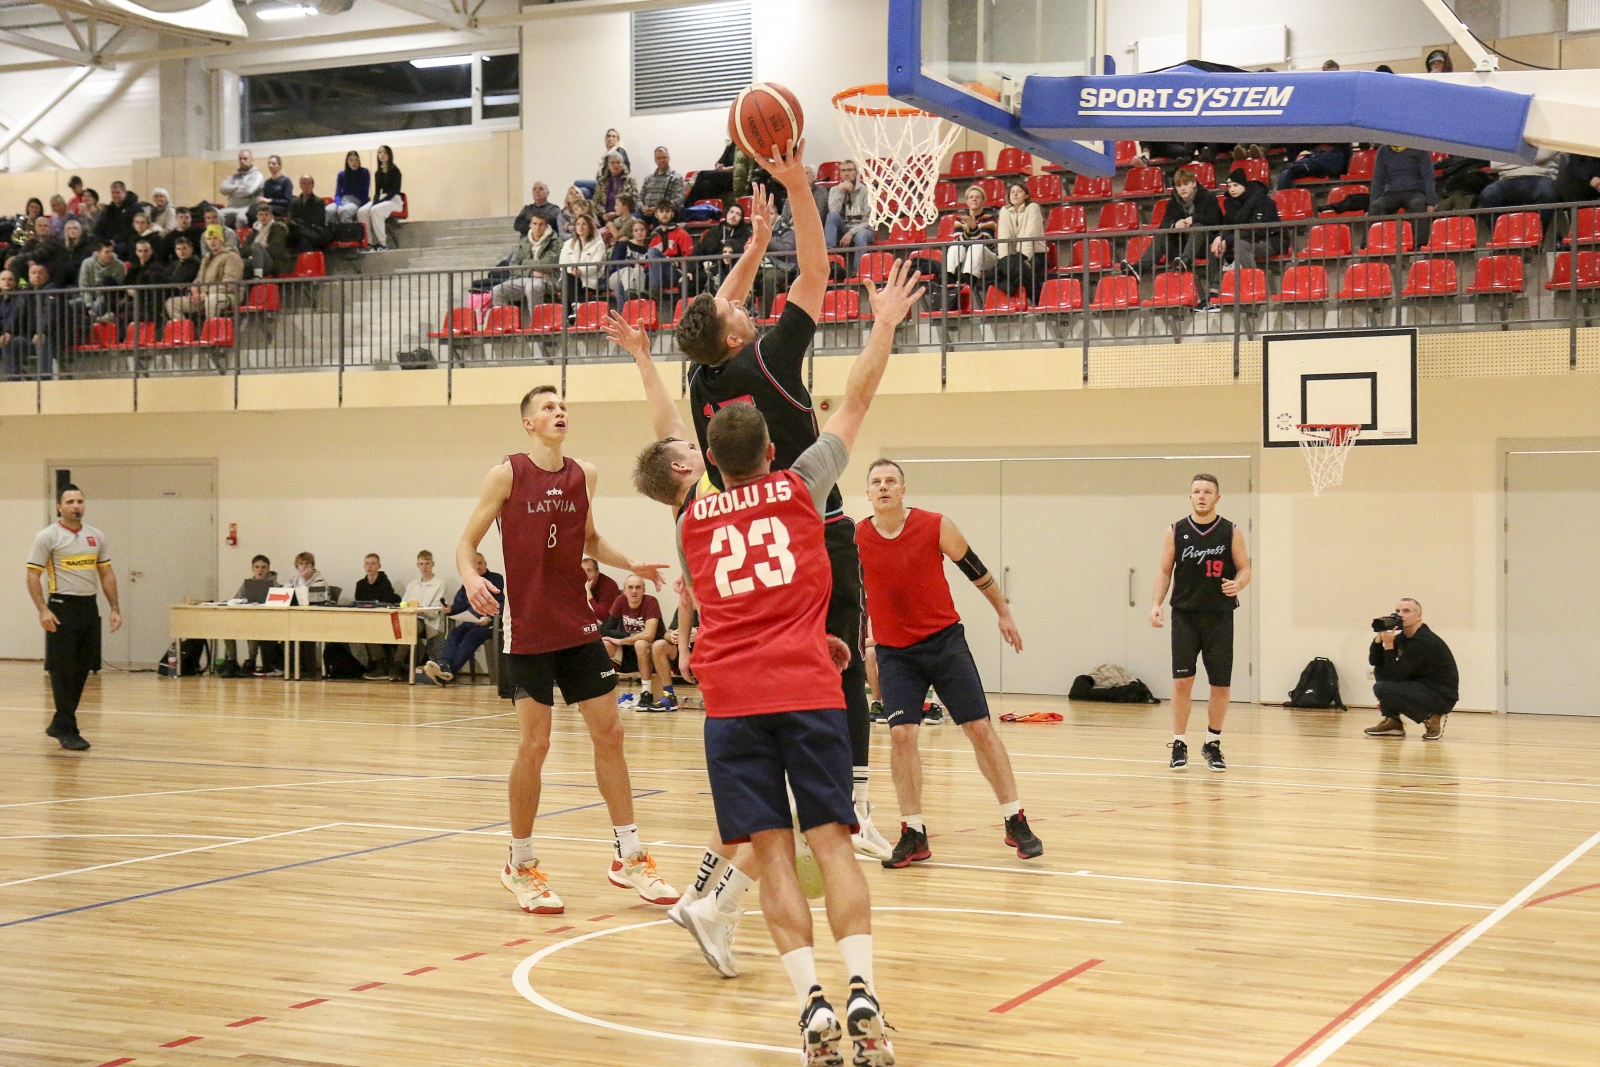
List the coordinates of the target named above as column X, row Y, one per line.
column 1453, row 233
column 641, row 314
column 101, row 335
column 1158, row 214
column 1136, row 247
column 1367, row 281
column 1116, row 292
column 1293, row 204
column 1013, row 161
column 1588, row 276
column 779, row 302
column 826, row 172
column 945, row 196
column 996, row 302
column 874, row 266
column 1327, row 240
column 1204, row 173
column 1243, row 287
column 1303, row 284
column 264, row 296
column 906, row 233
column 503, row 320
column 1520, row 229
column 461, row 322
column 1045, row 188
column 546, row 318
column 1087, row 188
column 1361, row 164
column 1257, row 170
column 310, row 265
column 140, row 335
column 1431, row 277
column 177, row 334
column 1065, row 219
column 1119, row 216
column 1174, row 288
column 1381, row 240
column 994, row 190
column 1061, row 294
column 1339, row 193
column 589, row 315
column 1497, row 274
column 1099, row 254
column 1588, row 230
column 965, row 165
column 1143, row 181
column 841, row 305
column 216, row 333
column 1124, row 151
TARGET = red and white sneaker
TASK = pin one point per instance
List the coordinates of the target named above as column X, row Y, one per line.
column 639, row 873
column 527, row 883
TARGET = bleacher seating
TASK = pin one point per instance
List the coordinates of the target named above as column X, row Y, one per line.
column 994, row 190
column 1367, row 281
column 1381, row 239
column 1144, row 181
column 1061, row 294
column 1431, row 277
column 964, row 165
column 1243, row 287
column 1118, row 216
column 1496, row 274
column 1013, row 161
column 1174, row 288
column 1519, row 229
column 1065, row 219
column 1116, row 292
column 1293, row 204
column 1305, row 283
column 1586, row 277
column 1085, row 188
column 1045, row 189
column 1454, row 233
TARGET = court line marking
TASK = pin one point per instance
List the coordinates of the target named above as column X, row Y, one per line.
column 259, row 785
column 466, row 718
column 522, row 984
column 1563, row 893
column 165, row 855
column 1044, row 987
column 1397, row 992
column 54, row 837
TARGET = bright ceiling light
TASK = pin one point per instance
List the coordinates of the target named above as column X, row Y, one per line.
column 279, row 12
column 441, row 61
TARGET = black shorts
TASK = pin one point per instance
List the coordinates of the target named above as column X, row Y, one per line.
column 1206, row 635
column 845, row 605
column 74, row 646
column 628, row 660
column 750, row 759
column 582, row 672
column 940, row 660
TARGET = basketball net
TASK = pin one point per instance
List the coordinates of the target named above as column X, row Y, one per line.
column 1326, row 446
column 898, row 151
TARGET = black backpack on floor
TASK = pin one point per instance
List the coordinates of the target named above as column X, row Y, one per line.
column 1318, row 686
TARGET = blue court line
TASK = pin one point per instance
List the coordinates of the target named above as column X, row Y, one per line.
column 638, row 795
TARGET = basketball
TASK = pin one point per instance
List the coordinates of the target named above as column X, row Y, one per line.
column 806, row 869
column 764, row 118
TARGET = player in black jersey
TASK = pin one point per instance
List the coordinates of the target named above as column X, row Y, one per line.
column 1203, row 560
column 732, row 364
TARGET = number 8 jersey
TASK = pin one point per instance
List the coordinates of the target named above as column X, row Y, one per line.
column 759, row 565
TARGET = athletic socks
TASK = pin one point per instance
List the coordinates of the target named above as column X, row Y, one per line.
column 627, row 841
column 705, row 879
column 1180, row 739
column 1213, row 735
column 802, row 967
column 522, row 851
column 858, row 786
column 644, row 690
column 731, row 891
column 1010, row 809
column 857, row 952
column 913, row 822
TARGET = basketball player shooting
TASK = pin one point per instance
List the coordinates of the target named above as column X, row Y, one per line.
column 759, row 567
column 541, row 500
column 1203, row 560
column 732, row 364
column 921, row 644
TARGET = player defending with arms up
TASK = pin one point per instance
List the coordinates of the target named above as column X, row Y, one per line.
column 760, row 570
column 920, row 643
column 732, row 365
column 542, row 501
column 1204, row 561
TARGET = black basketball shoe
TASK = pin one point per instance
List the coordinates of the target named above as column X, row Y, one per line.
column 1180, row 755
column 1212, row 751
column 869, row 1030
column 913, row 848
column 821, row 1036
column 1022, row 838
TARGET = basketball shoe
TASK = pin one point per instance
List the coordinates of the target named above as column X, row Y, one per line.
column 820, row 1033
column 534, row 895
column 639, row 873
column 1212, row 751
column 1180, row 755
column 437, row 672
column 1022, row 838
column 867, row 840
column 913, row 848
column 627, row 702
column 713, row 931
column 869, row 1033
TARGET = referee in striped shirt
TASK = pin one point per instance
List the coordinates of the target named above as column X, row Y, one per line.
column 70, row 558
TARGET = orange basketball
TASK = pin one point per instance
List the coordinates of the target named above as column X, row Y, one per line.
column 763, row 118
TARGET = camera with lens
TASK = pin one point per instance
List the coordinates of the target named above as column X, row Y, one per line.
column 1386, row 622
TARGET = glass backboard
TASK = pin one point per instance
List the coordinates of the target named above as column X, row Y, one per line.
column 989, row 47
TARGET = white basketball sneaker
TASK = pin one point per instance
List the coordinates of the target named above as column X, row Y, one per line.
column 867, row 840
column 534, row 895
column 639, row 873
column 713, row 931
column 869, row 1033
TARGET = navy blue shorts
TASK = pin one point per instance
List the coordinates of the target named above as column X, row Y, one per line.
column 940, row 660
column 751, row 757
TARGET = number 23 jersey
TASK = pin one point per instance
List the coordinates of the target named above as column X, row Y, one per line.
column 762, row 579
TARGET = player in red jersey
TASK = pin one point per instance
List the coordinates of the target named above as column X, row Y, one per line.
column 920, row 643
column 759, row 569
column 541, row 500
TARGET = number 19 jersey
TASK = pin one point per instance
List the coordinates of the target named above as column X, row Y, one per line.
column 762, row 579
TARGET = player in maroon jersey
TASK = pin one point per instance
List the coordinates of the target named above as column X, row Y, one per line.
column 541, row 500
column 759, row 569
column 920, row 643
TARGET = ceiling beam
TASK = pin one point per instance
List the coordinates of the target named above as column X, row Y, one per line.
column 60, row 51
column 434, row 13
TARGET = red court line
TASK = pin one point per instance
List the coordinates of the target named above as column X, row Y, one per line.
column 597, row 918
column 1376, row 992
column 552, row 930
column 420, row 970
column 641, row 907
column 247, row 1022
column 518, row 941
column 1045, row 987
column 1563, row 893
column 470, row 956
column 181, row 1041
column 117, row 1063
column 310, row 1003
column 364, row 987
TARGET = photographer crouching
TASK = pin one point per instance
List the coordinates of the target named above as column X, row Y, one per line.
column 1416, row 674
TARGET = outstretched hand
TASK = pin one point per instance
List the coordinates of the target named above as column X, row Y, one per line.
column 763, row 212
column 788, row 167
column 900, row 293
column 650, row 572
column 632, row 340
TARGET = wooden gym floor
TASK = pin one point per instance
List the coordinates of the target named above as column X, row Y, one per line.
column 252, row 873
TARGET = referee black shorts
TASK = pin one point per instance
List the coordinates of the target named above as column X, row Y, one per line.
column 1203, row 635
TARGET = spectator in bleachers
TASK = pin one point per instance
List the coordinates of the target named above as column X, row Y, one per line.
column 668, row 241
column 663, row 183
column 351, row 189
column 89, row 213
column 11, row 346
column 1247, row 202
column 1519, row 184
column 471, row 630
column 613, row 182
column 1578, row 178
column 308, row 219
column 849, row 218
column 1401, row 178
column 748, row 173
column 74, row 249
column 541, row 206
column 780, row 265
column 972, row 256
column 100, row 270
column 1438, row 62
column 726, row 240
column 38, row 245
column 539, row 245
column 183, row 227
column 1324, row 161
column 385, row 200
column 242, row 187
column 613, row 145
column 625, row 268
column 75, row 202
column 575, row 204
column 1330, row 64
column 59, row 215
column 602, row 589
column 620, row 225
column 267, row 247
column 716, row 181
column 582, row 256
column 216, row 288
column 213, row 217
column 277, row 190
column 631, row 630
column 183, row 269
column 146, row 270
column 32, row 212
column 116, row 219
column 1188, row 206
column 1024, row 256
column 163, row 216
column 143, row 231
column 39, row 324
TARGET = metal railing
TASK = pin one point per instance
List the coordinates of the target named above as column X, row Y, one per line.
column 1458, row 271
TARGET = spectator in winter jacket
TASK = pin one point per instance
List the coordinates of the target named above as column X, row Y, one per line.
column 1578, row 178
column 1402, row 178
column 668, row 241
column 242, row 187
column 116, row 220
column 582, row 256
column 613, row 182
column 213, row 217
column 39, row 324
column 1188, row 206
column 625, row 269
column 541, row 206
column 75, row 248
column 663, row 183
column 216, row 288
column 1519, row 184
column 267, row 247
column 183, row 227
column 539, row 245
column 350, row 190
column 308, row 219
column 1324, row 161
column 146, row 270
column 726, row 239
column 1248, row 203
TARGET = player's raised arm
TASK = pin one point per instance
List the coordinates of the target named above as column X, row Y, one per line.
column 1241, row 566
column 735, row 287
column 598, row 548
column 1163, row 581
column 665, row 419
column 810, row 242
column 954, row 544
column 890, row 306
column 496, row 490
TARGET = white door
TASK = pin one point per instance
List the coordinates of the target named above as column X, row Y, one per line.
column 160, row 521
column 1552, row 574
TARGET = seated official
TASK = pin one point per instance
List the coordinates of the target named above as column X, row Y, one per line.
column 470, row 632
column 374, row 587
column 1416, row 674
column 270, row 664
column 603, row 589
column 424, row 591
column 629, row 632
column 666, row 653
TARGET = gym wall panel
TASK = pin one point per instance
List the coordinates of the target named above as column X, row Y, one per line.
column 288, row 392
column 19, row 398
column 94, row 396
column 208, row 393
column 396, row 389
column 1009, row 372
column 907, row 372
column 499, row 385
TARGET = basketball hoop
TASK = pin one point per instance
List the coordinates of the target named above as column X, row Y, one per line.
column 1326, row 446
column 898, row 152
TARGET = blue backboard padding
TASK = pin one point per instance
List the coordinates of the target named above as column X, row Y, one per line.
column 1185, row 104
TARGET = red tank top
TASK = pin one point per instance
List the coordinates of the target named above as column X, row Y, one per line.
column 542, row 530
column 762, row 580
column 908, row 595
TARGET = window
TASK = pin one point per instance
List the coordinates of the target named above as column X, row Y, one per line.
column 412, row 94
column 688, row 58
